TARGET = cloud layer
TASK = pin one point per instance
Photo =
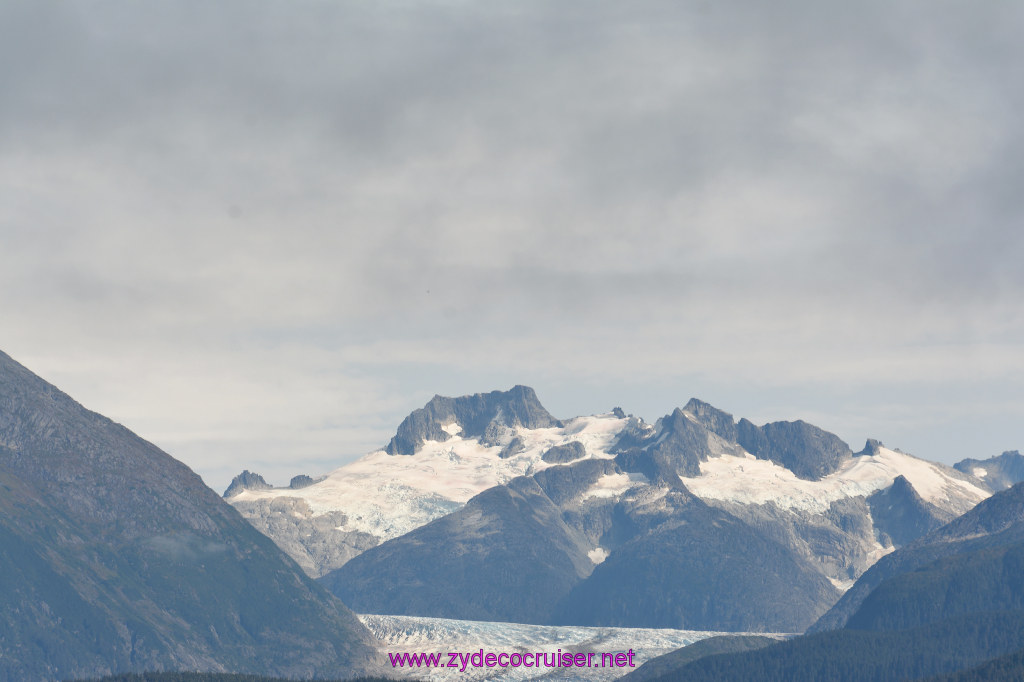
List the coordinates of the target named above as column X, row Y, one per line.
column 259, row 233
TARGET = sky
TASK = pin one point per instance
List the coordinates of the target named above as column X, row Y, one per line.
column 260, row 233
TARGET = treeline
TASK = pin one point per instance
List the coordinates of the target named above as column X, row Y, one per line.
column 984, row 579
column 1009, row 668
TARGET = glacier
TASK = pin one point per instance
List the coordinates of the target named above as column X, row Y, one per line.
column 416, row 634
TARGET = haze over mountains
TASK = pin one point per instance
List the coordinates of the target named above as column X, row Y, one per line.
column 487, row 507
column 115, row 557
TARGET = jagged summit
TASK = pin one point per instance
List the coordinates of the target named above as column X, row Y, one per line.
column 985, row 542
column 301, row 481
column 712, row 418
column 246, row 480
column 681, row 440
column 806, row 450
column 871, row 447
column 681, row 443
column 809, row 452
column 902, row 514
column 482, row 415
column 998, row 473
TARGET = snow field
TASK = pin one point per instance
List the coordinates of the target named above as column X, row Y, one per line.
column 415, row 634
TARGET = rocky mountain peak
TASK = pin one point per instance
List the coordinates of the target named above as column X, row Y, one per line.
column 997, row 473
column 713, row 419
column 871, row 447
column 677, row 443
column 483, row 415
column 568, row 452
column 684, row 438
column 900, row 513
column 301, row 481
column 804, row 449
column 246, row 480
column 902, row 486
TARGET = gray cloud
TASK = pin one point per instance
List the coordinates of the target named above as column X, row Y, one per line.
column 757, row 203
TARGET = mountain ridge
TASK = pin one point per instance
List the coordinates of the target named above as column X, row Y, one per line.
column 483, row 415
column 948, row 603
column 118, row 558
column 822, row 512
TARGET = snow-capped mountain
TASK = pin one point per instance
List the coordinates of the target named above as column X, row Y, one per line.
column 999, row 473
column 480, row 499
column 383, row 496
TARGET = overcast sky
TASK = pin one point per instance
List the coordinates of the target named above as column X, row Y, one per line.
column 261, row 233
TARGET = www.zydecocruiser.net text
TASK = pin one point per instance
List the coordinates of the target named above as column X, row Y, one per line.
column 529, row 659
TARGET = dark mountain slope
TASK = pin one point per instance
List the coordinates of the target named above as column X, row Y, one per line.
column 115, row 557
column 522, row 552
column 506, row 556
column 988, row 579
column 804, row 449
column 701, row 569
column 900, row 513
column 713, row 419
column 997, row 522
column 865, row 656
column 948, row 601
column 998, row 473
column 1008, row 668
column 666, row 664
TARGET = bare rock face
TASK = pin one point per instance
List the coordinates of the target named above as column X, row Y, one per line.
column 712, row 418
column 562, row 454
column 246, row 480
column 997, row 473
column 970, row 565
column 804, row 449
column 314, row 541
column 115, row 557
column 482, row 414
column 300, row 481
column 842, row 542
column 900, row 513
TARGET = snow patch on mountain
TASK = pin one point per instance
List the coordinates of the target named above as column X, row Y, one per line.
column 389, row 495
column 613, row 485
column 748, row 480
